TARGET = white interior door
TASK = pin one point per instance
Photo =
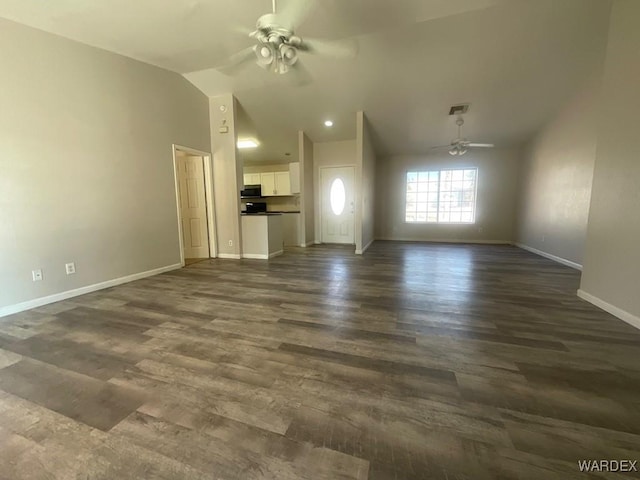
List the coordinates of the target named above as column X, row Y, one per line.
column 337, row 196
column 193, row 206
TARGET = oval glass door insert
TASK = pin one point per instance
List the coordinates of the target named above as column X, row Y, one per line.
column 337, row 196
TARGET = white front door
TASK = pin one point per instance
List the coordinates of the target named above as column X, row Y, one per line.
column 337, row 196
column 193, row 207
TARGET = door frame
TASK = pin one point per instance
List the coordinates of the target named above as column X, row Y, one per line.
column 208, row 198
column 320, row 198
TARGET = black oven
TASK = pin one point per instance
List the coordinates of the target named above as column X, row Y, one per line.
column 251, row 191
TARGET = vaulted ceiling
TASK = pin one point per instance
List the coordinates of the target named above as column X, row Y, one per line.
column 515, row 61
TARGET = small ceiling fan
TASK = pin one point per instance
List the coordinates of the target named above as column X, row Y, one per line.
column 460, row 145
column 278, row 46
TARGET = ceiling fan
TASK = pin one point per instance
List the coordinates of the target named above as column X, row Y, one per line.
column 460, row 145
column 278, row 46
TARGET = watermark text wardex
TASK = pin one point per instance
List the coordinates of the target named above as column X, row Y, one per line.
column 608, row 465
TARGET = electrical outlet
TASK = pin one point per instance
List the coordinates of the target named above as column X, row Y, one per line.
column 36, row 275
column 231, row 243
column 70, row 268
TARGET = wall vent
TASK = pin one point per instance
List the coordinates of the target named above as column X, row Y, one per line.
column 459, row 109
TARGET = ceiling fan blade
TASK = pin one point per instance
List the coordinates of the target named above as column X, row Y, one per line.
column 239, row 30
column 294, row 12
column 480, row 145
column 347, row 48
column 237, row 61
column 442, row 146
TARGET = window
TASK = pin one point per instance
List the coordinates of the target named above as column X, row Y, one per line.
column 441, row 196
column 337, row 196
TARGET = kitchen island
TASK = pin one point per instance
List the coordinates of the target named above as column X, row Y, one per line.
column 261, row 235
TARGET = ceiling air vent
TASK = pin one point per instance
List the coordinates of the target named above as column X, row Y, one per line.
column 459, row 109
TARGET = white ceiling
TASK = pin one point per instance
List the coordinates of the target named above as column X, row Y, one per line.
column 515, row 61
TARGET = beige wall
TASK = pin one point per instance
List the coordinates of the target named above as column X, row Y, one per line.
column 86, row 161
column 557, row 172
column 366, row 172
column 495, row 209
column 227, row 176
column 327, row 154
column 307, row 211
column 612, row 253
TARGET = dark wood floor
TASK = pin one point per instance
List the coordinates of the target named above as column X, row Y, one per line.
column 412, row 361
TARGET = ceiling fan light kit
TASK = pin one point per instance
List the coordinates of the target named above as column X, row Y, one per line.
column 460, row 145
column 457, row 150
column 276, row 50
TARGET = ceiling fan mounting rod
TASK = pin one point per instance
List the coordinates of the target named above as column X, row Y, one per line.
column 273, row 2
column 459, row 122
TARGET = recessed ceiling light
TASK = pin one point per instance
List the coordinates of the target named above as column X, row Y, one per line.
column 248, row 143
column 328, row 123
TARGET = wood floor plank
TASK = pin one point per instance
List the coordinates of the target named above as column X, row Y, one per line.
column 383, row 366
column 71, row 356
column 98, row 404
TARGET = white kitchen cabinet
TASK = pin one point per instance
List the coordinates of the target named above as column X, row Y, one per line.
column 283, row 183
column 252, row 179
column 275, row 184
column 268, row 182
column 294, row 177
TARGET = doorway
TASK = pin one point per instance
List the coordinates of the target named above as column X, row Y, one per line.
column 337, row 197
column 194, row 196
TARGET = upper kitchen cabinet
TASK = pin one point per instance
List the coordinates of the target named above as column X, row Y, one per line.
column 275, row 180
column 283, row 183
column 275, row 184
column 268, row 182
column 252, row 179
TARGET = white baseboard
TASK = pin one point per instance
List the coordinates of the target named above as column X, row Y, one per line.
column 612, row 309
column 262, row 256
column 57, row 297
column 446, row 240
column 233, row 256
column 308, row 244
column 555, row 258
column 360, row 252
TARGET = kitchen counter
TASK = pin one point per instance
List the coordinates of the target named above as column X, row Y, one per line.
column 261, row 235
column 271, row 212
column 261, row 213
